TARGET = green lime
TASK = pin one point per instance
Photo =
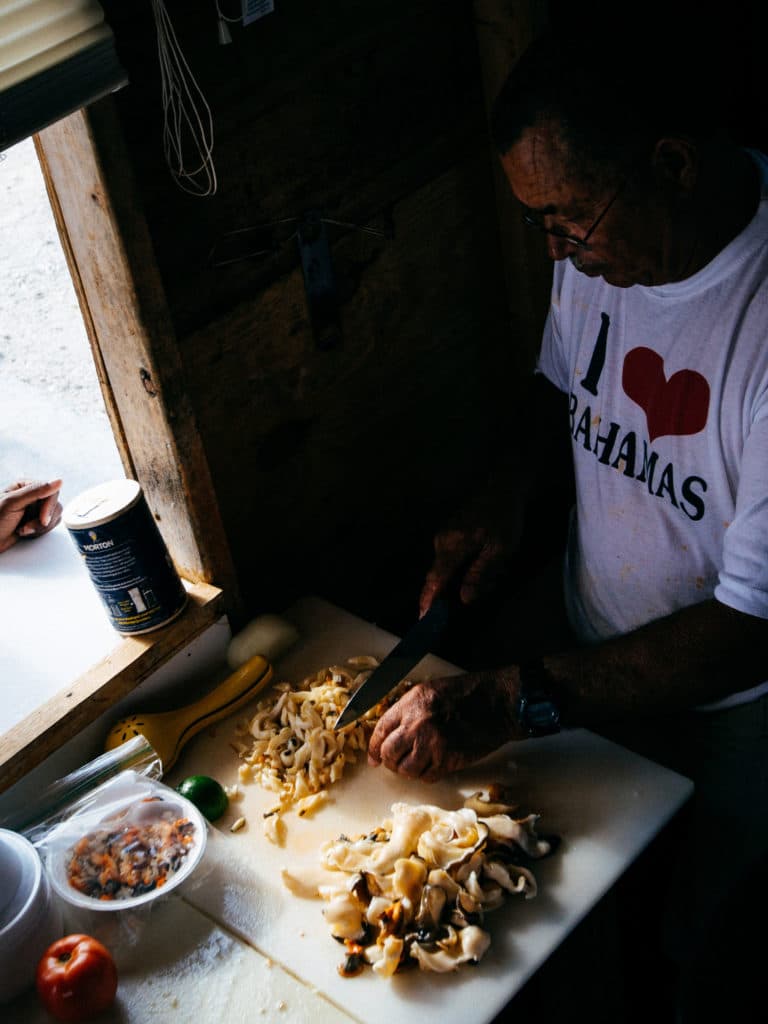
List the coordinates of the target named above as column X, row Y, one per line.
column 206, row 794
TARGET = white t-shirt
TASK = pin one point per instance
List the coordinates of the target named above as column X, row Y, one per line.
column 668, row 400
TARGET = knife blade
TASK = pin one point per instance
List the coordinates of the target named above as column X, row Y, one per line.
column 415, row 645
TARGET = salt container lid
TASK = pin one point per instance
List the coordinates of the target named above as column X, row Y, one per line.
column 100, row 504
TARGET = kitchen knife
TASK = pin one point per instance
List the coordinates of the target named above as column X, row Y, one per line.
column 417, row 642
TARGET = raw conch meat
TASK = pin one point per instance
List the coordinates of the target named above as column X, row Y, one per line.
column 416, row 889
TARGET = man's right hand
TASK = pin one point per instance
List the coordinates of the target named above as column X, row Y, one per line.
column 472, row 558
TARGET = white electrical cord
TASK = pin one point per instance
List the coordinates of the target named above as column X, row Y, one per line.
column 187, row 120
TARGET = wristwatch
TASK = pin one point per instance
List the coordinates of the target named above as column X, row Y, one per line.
column 538, row 712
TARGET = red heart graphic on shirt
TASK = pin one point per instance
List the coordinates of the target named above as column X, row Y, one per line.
column 676, row 406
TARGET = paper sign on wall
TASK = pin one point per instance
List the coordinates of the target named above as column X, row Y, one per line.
column 255, row 9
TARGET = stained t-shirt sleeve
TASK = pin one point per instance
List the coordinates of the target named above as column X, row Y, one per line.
column 552, row 361
column 743, row 579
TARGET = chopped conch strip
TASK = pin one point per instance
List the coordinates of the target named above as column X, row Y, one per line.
column 417, row 887
column 289, row 745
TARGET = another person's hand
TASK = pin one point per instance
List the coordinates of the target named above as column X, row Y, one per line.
column 28, row 509
column 443, row 725
column 472, row 558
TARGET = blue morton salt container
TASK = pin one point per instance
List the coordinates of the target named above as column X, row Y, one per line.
column 125, row 555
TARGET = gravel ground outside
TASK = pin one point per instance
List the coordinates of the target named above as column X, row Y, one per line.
column 52, row 417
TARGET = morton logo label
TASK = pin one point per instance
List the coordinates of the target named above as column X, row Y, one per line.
column 98, row 545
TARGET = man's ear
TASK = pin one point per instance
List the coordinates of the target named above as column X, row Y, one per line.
column 676, row 164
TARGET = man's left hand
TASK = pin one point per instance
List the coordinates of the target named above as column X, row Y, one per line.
column 443, row 725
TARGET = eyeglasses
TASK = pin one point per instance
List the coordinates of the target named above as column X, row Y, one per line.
column 534, row 221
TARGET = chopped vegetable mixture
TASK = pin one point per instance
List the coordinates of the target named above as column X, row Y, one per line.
column 118, row 863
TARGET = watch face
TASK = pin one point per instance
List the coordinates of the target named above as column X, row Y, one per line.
column 541, row 718
column 537, row 713
column 537, row 710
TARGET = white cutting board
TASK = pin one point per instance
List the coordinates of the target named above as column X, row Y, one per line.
column 605, row 802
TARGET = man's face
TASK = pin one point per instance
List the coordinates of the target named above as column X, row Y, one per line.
column 628, row 245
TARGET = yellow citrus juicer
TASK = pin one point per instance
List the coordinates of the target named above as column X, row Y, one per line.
column 168, row 731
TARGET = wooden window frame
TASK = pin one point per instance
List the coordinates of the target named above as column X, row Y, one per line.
column 109, row 253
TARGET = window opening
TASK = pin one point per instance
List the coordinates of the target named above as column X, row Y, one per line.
column 52, row 416
column 53, row 424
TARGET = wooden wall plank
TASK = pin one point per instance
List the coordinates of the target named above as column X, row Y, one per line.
column 352, row 456
column 124, row 310
column 330, row 468
column 345, row 110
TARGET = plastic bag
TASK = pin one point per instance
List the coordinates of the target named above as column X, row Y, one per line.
column 34, row 820
column 120, row 851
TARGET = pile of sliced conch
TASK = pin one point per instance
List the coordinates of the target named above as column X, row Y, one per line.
column 290, row 745
column 416, row 889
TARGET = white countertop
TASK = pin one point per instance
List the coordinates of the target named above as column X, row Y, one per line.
column 54, row 625
column 177, row 966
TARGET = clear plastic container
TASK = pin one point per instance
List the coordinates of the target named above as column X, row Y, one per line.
column 128, row 827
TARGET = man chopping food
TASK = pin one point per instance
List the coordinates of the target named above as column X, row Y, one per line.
column 653, row 369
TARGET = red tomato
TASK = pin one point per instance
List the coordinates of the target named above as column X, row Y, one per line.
column 76, row 978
